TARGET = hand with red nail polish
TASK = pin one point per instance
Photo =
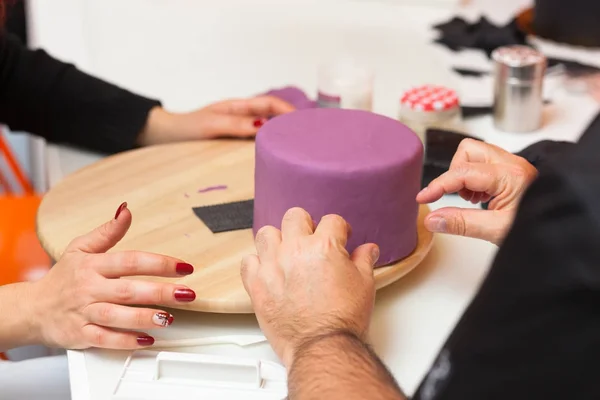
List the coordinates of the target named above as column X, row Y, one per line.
column 229, row 118
column 479, row 172
column 81, row 302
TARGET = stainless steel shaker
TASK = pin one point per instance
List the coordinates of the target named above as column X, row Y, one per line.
column 518, row 88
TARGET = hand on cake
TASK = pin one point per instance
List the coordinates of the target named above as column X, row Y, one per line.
column 229, row 118
column 81, row 302
column 479, row 172
column 304, row 284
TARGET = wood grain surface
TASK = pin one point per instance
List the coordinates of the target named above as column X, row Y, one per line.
column 161, row 185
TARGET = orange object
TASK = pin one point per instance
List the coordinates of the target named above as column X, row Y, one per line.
column 21, row 253
column 23, row 258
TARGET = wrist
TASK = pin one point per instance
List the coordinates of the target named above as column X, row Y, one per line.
column 159, row 127
column 20, row 327
column 311, row 344
column 32, row 312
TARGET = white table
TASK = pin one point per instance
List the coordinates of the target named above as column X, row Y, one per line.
column 188, row 53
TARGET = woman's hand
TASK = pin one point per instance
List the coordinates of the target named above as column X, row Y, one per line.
column 304, row 284
column 82, row 302
column 230, row 118
column 479, row 172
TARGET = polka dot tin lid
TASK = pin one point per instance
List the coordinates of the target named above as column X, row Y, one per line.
column 430, row 98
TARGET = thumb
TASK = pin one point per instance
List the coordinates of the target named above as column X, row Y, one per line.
column 365, row 257
column 479, row 224
column 106, row 236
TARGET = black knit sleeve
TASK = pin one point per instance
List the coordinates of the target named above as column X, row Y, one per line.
column 52, row 99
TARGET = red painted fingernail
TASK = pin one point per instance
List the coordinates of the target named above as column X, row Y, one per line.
column 120, row 209
column 162, row 319
column 184, row 269
column 184, row 295
column 258, row 123
column 145, row 340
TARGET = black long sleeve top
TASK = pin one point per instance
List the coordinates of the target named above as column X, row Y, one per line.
column 55, row 100
column 533, row 329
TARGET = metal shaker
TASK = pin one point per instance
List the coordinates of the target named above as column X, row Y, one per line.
column 518, row 88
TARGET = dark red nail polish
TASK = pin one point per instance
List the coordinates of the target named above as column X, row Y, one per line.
column 184, row 269
column 145, row 340
column 121, row 208
column 258, row 123
column 184, row 295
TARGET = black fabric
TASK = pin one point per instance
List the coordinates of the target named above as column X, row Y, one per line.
column 533, row 329
column 16, row 20
column 470, row 72
column 458, row 34
column 49, row 98
column 574, row 21
column 228, row 216
column 573, row 68
column 546, row 151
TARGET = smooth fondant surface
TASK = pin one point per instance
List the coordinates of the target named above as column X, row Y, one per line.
column 360, row 165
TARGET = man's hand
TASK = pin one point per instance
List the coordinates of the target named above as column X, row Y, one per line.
column 304, row 284
column 479, row 172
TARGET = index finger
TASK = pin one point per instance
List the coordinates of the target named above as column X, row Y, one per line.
column 137, row 263
column 484, row 178
column 260, row 106
column 475, row 151
column 470, row 150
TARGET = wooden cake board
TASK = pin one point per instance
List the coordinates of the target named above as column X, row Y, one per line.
column 161, row 185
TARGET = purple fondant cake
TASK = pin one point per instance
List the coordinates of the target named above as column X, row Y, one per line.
column 357, row 164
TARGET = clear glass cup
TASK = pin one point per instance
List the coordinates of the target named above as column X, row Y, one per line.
column 345, row 84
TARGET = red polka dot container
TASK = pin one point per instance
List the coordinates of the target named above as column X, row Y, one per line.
column 430, row 106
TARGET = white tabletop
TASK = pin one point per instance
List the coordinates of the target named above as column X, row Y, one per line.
column 188, row 53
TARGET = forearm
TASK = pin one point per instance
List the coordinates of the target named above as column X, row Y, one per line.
column 44, row 96
column 16, row 324
column 340, row 366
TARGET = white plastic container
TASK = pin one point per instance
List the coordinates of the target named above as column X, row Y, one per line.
column 152, row 375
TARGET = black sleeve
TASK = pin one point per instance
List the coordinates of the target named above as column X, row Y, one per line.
column 49, row 98
column 533, row 329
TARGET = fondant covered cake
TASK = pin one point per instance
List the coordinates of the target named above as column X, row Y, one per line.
column 357, row 164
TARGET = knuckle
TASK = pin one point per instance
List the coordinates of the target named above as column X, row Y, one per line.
column 98, row 338
column 335, row 219
column 468, row 144
column 295, row 212
column 106, row 314
column 165, row 264
column 128, row 262
column 461, row 168
column 141, row 318
column 246, row 266
column 160, row 292
column 458, row 225
column 104, row 232
column 263, row 235
column 125, row 292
